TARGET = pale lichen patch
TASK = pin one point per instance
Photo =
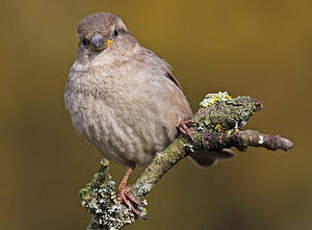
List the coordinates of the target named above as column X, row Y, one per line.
column 211, row 98
column 100, row 199
column 189, row 148
column 261, row 140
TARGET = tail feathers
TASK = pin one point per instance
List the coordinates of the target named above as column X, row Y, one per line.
column 210, row 158
column 204, row 161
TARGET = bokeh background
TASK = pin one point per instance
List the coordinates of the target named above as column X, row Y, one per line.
column 258, row 48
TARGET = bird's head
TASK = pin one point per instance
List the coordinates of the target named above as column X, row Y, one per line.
column 103, row 34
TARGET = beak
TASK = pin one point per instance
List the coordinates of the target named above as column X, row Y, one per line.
column 98, row 42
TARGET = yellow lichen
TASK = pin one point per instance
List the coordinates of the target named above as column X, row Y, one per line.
column 210, row 99
column 218, row 127
column 232, row 131
column 228, row 97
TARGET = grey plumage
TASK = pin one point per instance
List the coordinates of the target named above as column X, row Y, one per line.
column 122, row 100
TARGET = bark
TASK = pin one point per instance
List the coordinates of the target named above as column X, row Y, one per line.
column 216, row 125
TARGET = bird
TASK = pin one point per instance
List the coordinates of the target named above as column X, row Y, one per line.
column 124, row 99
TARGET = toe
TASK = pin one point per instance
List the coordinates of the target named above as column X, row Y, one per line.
column 129, row 200
column 184, row 129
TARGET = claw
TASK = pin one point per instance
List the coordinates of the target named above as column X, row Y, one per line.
column 125, row 195
column 129, row 200
column 184, row 129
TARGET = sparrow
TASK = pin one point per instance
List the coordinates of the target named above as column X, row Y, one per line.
column 123, row 99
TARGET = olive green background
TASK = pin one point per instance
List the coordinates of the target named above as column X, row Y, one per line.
column 258, row 48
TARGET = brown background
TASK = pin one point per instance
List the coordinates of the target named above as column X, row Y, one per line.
column 259, row 48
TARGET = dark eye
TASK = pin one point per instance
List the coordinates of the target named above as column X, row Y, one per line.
column 115, row 32
column 85, row 42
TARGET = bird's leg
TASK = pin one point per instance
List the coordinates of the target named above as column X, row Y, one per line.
column 184, row 129
column 124, row 194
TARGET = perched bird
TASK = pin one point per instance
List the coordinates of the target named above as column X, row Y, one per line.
column 123, row 99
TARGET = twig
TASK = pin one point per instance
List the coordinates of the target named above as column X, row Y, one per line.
column 215, row 126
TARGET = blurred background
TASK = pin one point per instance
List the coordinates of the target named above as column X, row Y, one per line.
column 258, row 48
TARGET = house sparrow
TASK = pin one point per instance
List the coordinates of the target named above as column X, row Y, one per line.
column 123, row 99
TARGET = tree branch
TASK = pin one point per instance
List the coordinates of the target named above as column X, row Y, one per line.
column 215, row 126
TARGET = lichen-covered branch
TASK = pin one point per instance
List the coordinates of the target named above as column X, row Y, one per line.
column 216, row 125
column 242, row 139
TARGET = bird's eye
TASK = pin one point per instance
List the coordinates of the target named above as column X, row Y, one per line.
column 115, row 32
column 85, row 42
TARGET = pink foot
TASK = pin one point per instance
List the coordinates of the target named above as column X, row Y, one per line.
column 125, row 195
column 184, row 129
column 128, row 199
